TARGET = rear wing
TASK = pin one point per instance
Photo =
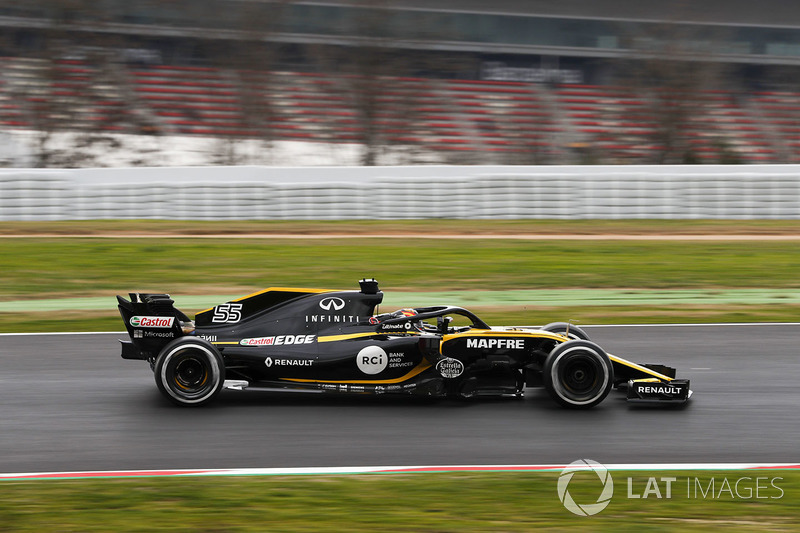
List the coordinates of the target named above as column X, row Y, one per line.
column 151, row 321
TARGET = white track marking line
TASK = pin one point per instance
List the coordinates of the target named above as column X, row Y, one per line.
column 358, row 470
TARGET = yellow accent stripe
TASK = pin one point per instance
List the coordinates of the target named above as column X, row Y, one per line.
column 283, row 289
column 492, row 333
column 334, row 338
column 495, row 333
column 548, row 335
column 423, row 366
column 276, row 289
column 640, row 368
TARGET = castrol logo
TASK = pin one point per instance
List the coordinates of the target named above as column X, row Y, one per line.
column 152, row 321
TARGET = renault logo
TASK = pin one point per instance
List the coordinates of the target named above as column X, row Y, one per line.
column 335, row 304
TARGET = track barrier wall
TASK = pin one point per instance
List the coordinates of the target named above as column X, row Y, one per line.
column 351, row 193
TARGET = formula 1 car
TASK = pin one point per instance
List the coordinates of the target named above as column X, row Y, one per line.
column 332, row 341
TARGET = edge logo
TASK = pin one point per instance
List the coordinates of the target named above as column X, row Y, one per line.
column 280, row 340
column 586, row 509
column 332, row 303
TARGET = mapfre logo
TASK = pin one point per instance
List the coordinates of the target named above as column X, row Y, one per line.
column 332, row 304
column 587, row 509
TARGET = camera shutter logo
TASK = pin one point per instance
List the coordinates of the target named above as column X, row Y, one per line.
column 591, row 508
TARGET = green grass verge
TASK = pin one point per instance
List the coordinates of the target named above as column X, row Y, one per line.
column 462, row 502
column 45, row 267
column 41, row 267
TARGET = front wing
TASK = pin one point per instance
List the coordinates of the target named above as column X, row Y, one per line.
column 650, row 383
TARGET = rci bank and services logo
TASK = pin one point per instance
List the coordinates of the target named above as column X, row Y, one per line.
column 585, row 509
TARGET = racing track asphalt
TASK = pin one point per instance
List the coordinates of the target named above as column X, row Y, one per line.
column 70, row 403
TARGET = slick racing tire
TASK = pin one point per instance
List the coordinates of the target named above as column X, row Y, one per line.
column 573, row 332
column 578, row 374
column 189, row 371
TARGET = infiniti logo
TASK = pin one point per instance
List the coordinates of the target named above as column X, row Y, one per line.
column 332, row 303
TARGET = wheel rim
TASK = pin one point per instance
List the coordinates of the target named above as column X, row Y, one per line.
column 190, row 374
column 580, row 376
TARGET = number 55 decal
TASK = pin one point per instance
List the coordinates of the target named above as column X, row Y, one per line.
column 227, row 313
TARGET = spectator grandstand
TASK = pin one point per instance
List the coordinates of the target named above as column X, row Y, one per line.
column 517, row 82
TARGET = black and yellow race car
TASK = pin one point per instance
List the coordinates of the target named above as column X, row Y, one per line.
column 333, row 341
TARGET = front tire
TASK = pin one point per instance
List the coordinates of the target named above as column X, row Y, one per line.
column 578, row 374
column 189, row 371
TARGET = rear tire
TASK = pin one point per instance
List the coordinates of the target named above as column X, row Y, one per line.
column 578, row 374
column 189, row 371
column 573, row 332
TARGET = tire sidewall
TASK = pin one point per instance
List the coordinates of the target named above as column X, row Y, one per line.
column 554, row 365
column 575, row 333
column 164, row 370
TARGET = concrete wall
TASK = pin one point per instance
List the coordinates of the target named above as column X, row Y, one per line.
column 499, row 192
